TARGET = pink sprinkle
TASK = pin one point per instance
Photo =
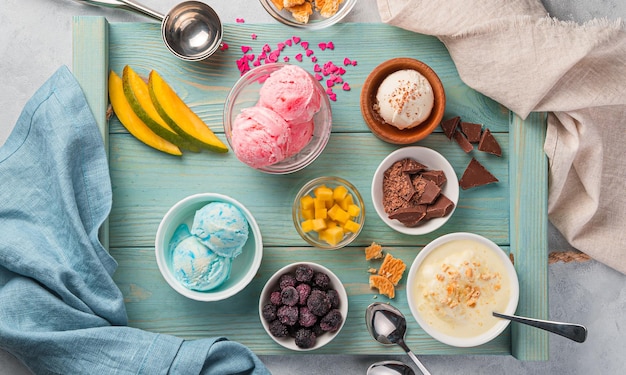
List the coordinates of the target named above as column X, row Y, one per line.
column 330, row 45
column 305, row 45
column 317, row 68
column 273, row 56
column 296, row 39
column 299, row 57
column 253, row 36
column 262, row 56
column 245, row 49
column 322, row 46
column 224, row 47
column 250, row 57
column 286, row 59
column 318, row 77
column 329, row 91
column 309, row 52
column 333, row 97
column 346, row 61
column 354, row 63
column 289, row 42
column 281, row 46
column 240, row 20
column 256, row 63
column 341, row 71
column 266, row 48
column 314, row 59
column 346, row 87
column 329, row 83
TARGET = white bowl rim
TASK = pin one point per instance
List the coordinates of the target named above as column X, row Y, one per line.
column 288, row 342
column 451, row 188
column 510, row 308
column 208, row 296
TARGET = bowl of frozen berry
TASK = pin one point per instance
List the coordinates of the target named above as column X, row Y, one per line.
column 303, row 306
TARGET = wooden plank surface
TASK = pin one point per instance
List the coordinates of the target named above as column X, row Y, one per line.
column 147, row 183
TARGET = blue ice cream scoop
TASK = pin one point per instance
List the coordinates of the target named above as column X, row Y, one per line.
column 194, row 264
column 222, row 227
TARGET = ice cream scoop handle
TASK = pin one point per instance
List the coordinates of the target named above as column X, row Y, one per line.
column 414, row 358
column 128, row 5
column 575, row 332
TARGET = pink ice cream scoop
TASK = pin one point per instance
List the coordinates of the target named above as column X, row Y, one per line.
column 299, row 136
column 291, row 92
column 260, row 137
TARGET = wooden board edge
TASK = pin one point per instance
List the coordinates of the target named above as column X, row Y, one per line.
column 90, row 65
column 529, row 231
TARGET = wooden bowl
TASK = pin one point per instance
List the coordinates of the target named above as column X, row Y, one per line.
column 390, row 133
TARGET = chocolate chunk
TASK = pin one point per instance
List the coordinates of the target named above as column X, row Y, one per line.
column 405, row 187
column 462, row 141
column 472, row 131
column 476, row 175
column 437, row 176
column 450, row 125
column 409, row 216
column 411, row 166
column 440, row 208
column 489, row 144
column 396, row 186
column 431, row 192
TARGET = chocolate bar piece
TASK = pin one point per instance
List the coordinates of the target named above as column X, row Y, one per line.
column 472, row 131
column 450, row 125
column 476, row 175
column 411, row 166
column 430, row 193
column 440, row 208
column 409, row 216
column 437, row 176
column 462, row 141
column 489, row 144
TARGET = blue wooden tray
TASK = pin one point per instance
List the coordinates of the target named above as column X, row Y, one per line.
column 146, row 183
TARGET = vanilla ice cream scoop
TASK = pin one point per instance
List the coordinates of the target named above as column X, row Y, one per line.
column 221, row 227
column 405, row 99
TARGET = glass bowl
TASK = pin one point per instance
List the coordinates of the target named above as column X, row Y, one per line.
column 273, row 285
column 316, row 20
column 245, row 94
column 302, row 215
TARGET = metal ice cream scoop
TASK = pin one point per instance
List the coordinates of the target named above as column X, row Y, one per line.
column 389, row 368
column 191, row 30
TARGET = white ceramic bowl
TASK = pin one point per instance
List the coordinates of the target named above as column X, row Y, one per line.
column 244, row 266
column 273, row 284
column 414, row 293
column 434, row 161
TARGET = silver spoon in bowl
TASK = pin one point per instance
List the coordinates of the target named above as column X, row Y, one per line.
column 388, row 326
column 575, row 332
column 191, row 30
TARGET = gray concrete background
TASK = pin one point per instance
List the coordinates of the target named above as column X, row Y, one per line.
column 36, row 39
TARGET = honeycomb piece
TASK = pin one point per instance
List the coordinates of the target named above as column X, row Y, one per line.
column 301, row 12
column 392, row 268
column 373, row 251
column 383, row 284
column 278, row 4
column 329, row 8
column 292, row 3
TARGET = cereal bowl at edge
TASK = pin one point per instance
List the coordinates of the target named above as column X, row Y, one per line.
column 244, row 266
column 272, row 285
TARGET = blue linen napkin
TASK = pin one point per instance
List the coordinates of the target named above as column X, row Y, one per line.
column 60, row 310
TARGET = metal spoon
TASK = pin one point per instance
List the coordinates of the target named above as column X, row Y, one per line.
column 388, row 326
column 191, row 30
column 390, row 368
column 571, row 331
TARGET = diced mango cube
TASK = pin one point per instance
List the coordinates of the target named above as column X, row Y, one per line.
column 331, row 224
column 308, row 213
column 339, row 193
column 307, row 226
column 333, row 235
column 319, row 224
column 351, row 226
column 324, row 193
column 317, row 189
column 354, row 210
column 321, row 213
column 338, row 214
column 319, row 203
column 306, row 202
column 346, row 202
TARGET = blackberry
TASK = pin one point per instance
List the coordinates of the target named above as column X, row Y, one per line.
column 318, row 302
column 321, row 280
column 307, row 318
column 305, row 338
column 269, row 312
column 290, row 296
column 304, row 290
column 317, row 329
column 334, row 298
column 287, row 315
column 275, row 298
column 304, row 273
column 286, row 280
column 331, row 321
column 278, row 329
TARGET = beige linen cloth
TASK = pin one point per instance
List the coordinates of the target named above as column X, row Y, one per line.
column 515, row 53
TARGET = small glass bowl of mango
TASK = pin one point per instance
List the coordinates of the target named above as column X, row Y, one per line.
column 328, row 212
